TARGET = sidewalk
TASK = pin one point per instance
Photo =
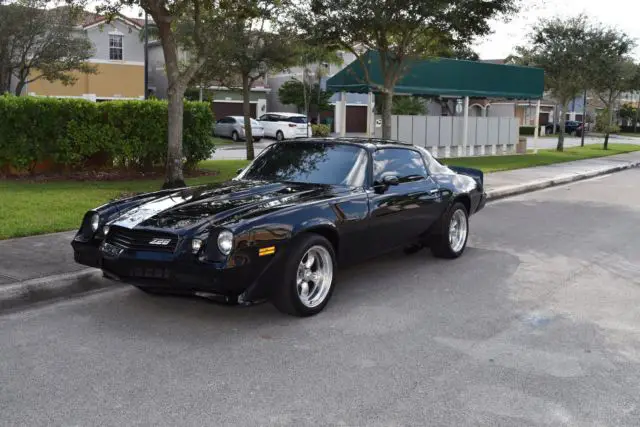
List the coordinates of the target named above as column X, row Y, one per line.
column 30, row 266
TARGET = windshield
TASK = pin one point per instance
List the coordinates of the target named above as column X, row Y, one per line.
column 310, row 162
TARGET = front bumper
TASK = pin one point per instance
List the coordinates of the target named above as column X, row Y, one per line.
column 237, row 278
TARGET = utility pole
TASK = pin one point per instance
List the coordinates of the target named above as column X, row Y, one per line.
column 635, row 123
column 584, row 118
column 146, row 56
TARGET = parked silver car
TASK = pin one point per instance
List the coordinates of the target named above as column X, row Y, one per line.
column 233, row 127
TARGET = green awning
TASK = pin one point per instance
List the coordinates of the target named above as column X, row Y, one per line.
column 446, row 77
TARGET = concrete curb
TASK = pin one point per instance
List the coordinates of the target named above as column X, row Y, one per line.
column 529, row 187
column 22, row 294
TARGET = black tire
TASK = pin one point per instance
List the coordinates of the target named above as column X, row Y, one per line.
column 279, row 136
column 256, row 139
column 234, row 136
column 285, row 296
column 440, row 245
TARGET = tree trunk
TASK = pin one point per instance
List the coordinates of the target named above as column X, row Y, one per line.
column 560, row 146
column 176, row 88
column 606, row 141
column 246, row 110
column 387, row 105
column 173, row 175
column 19, row 87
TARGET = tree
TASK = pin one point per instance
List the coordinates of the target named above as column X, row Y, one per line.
column 612, row 70
column 254, row 41
column 292, row 93
column 400, row 31
column 185, row 24
column 41, row 43
column 562, row 48
column 408, row 105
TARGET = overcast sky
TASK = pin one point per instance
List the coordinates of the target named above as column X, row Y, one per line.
column 621, row 14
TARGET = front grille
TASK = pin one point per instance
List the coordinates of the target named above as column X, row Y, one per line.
column 140, row 240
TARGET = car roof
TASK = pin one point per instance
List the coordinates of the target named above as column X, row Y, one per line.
column 287, row 114
column 369, row 143
column 237, row 117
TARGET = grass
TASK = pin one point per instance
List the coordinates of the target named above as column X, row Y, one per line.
column 29, row 208
column 542, row 158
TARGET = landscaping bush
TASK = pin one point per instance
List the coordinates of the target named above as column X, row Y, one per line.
column 321, row 130
column 73, row 133
column 527, row 130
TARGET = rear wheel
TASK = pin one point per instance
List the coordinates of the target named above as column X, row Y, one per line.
column 309, row 276
column 235, row 137
column 279, row 136
column 451, row 233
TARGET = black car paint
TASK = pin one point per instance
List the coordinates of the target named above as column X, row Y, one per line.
column 360, row 222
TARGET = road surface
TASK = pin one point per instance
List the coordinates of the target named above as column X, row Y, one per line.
column 537, row 324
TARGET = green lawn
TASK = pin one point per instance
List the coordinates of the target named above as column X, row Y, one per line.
column 35, row 208
column 543, row 157
column 28, row 208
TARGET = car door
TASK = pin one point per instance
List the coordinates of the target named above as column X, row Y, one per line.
column 219, row 128
column 404, row 204
column 265, row 121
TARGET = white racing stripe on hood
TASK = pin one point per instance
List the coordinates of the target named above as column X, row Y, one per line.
column 143, row 212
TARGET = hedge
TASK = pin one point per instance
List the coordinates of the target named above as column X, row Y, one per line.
column 527, row 130
column 320, row 130
column 75, row 133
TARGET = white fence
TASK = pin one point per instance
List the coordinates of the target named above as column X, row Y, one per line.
column 442, row 135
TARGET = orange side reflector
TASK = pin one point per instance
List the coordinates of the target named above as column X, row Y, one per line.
column 270, row 250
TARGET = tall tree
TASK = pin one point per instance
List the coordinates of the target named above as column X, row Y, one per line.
column 292, row 93
column 254, row 40
column 183, row 26
column 400, row 31
column 562, row 48
column 41, row 43
column 612, row 70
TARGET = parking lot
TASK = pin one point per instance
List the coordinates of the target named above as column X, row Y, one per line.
column 537, row 324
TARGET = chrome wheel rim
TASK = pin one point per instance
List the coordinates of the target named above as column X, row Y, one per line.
column 458, row 229
column 279, row 136
column 234, row 136
column 314, row 276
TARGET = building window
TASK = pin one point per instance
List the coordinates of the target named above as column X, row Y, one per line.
column 115, row 47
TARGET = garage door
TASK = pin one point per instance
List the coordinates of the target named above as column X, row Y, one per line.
column 221, row 109
column 356, row 119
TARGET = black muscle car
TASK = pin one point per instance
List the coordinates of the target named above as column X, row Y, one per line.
column 279, row 229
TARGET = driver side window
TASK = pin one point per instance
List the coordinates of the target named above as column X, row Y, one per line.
column 405, row 164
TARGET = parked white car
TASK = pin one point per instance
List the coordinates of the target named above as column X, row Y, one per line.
column 283, row 126
column 233, row 127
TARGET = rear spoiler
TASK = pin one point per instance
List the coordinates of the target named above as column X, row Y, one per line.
column 476, row 174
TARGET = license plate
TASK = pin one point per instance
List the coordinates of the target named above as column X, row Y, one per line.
column 111, row 250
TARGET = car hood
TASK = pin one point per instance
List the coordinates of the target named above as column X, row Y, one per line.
column 192, row 207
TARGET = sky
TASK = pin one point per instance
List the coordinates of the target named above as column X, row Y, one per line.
column 621, row 14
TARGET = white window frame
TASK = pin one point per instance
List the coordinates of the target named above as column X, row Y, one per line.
column 121, row 36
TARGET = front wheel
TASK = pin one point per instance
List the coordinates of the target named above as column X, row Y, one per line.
column 279, row 136
column 450, row 238
column 309, row 276
column 235, row 137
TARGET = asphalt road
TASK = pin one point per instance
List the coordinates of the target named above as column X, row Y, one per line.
column 537, row 324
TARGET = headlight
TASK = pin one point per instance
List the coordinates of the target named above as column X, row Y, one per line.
column 105, row 230
column 225, row 242
column 196, row 244
column 95, row 222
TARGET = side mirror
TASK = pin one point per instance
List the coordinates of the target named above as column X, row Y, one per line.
column 390, row 180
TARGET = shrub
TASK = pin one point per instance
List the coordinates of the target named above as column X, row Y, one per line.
column 321, row 130
column 74, row 133
column 527, row 130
